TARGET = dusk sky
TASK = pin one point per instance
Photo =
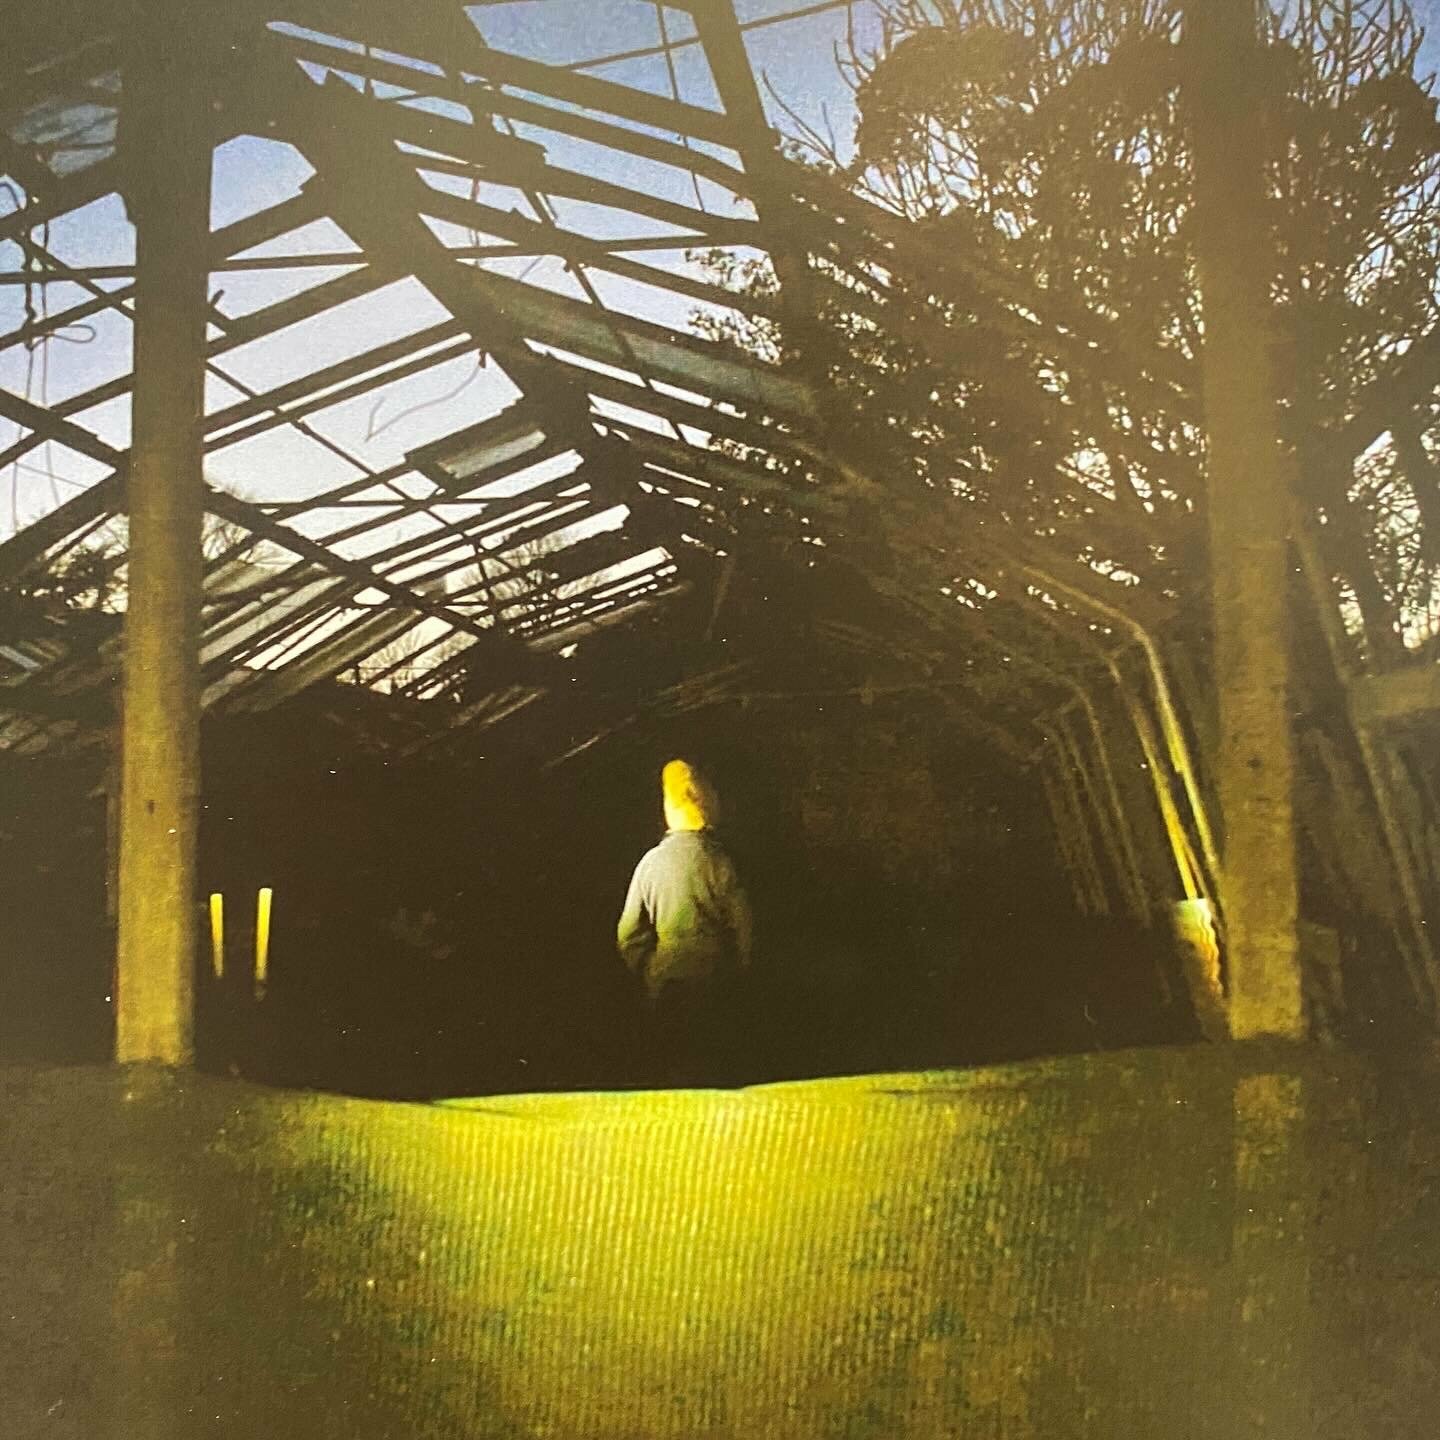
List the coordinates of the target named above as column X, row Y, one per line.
column 794, row 59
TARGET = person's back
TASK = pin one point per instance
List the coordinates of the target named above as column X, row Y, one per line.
column 686, row 918
column 685, row 929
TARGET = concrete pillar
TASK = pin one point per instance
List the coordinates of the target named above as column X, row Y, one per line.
column 166, row 152
column 1248, row 501
column 1249, row 517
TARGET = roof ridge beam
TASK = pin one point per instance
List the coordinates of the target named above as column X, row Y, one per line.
column 479, row 63
column 469, row 91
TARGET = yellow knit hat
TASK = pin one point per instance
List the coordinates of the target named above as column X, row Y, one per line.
column 690, row 803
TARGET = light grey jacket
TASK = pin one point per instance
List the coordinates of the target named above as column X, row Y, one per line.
column 686, row 916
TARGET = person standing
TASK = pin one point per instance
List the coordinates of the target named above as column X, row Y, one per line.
column 685, row 933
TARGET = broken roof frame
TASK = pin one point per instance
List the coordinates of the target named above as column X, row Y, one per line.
column 653, row 355
column 576, row 361
column 472, row 549
column 631, row 403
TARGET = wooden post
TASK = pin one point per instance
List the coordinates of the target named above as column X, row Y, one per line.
column 1249, row 519
column 166, row 152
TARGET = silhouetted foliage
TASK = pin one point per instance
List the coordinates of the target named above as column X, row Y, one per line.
column 1025, row 341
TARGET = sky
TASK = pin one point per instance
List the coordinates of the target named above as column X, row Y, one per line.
column 795, row 57
column 252, row 174
column 1428, row 13
column 793, row 60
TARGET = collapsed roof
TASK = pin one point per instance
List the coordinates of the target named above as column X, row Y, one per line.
column 465, row 411
column 492, row 240
column 475, row 432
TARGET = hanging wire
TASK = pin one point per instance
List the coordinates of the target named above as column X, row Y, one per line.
column 596, row 62
column 669, row 51
column 46, row 458
column 372, row 430
column 31, row 267
column 37, row 341
column 19, row 202
column 14, row 468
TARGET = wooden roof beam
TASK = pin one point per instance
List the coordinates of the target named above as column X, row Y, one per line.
column 250, row 516
column 478, row 95
column 1396, row 696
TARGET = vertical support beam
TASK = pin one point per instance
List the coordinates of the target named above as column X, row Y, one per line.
column 1273, row 1393
column 801, row 326
column 1088, row 797
column 1418, row 947
column 1249, row 517
column 166, row 150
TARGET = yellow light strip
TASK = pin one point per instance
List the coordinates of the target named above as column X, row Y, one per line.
column 217, row 934
column 263, row 902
